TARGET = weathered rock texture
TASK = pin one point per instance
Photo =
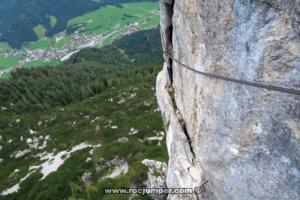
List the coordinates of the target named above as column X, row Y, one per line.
column 156, row 177
column 243, row 140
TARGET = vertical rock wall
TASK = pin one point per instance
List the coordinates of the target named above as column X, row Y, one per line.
column 244, row 141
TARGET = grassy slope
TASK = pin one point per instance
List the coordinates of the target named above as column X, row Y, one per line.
column 5, row 46
column 53, row 21
column 62, row 42
column 42, row 63
column 111, row 16
column 9, row 61
column 40, row 31
column 104, row 20
column 5, row 75
column 39, row 44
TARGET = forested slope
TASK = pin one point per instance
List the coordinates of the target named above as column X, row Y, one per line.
column 105, row 106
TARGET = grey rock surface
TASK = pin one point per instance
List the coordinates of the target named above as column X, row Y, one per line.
column 123, row 140
column 243, row 140
column 156, row 177
column 87, row 178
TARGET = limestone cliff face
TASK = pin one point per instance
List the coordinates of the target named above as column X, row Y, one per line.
column 244, row 141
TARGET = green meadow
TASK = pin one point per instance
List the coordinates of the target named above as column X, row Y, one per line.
column 40, row 62
column 5, row 46
column 62, row 42
column 53, row 21
column 9, row 61
column 39, row 44
column 40, row 31
column 5, row 76
column 106, row 19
